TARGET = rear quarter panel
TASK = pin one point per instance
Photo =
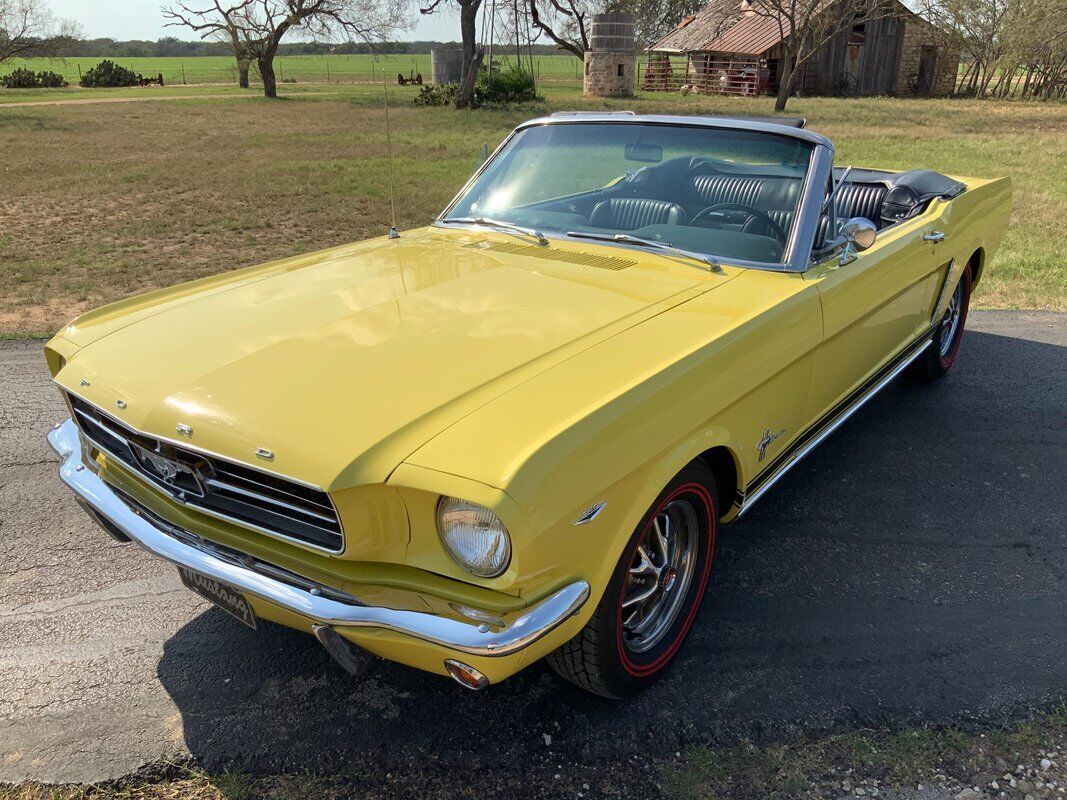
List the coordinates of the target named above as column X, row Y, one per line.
column 978, row 219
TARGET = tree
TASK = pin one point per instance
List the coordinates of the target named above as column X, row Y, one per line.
column 806, row 25
column 654, row 19
column 255, row 28
column 1010, row 47
column 472, row 58
column 28, row 29
column 565, row 22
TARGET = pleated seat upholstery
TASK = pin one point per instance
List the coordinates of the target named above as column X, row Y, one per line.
column 629, row 213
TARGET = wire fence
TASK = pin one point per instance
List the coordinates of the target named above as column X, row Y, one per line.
column 290, row 69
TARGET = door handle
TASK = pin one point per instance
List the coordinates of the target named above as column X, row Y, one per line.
column 934, row 236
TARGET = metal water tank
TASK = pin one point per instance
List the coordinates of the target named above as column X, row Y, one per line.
column 446, row 66
column 612, row 33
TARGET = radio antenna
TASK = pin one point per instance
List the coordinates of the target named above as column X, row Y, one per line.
column 393, row 233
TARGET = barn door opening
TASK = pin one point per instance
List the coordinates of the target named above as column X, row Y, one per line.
column 927, row 59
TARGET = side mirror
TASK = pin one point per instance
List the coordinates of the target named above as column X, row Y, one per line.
column 858, row 234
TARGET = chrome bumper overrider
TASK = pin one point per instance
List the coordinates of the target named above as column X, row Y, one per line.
column 520, row 629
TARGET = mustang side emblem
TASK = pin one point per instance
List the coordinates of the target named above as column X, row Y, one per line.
column 765, row 442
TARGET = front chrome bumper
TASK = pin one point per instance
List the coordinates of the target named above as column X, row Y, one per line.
column 519, row 630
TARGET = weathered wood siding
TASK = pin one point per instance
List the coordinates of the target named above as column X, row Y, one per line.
column 867, row 69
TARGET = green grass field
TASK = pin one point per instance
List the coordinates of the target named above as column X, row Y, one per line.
column 302, row 69
column 104, row 200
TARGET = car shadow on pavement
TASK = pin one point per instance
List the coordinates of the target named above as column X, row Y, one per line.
column 912, row 569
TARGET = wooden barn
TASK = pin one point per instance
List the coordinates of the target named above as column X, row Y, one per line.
column 727, row 48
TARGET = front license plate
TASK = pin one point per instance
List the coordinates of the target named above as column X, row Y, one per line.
column 229, row 600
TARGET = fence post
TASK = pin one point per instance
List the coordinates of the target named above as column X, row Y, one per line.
column 327, row 70
column 183, row 74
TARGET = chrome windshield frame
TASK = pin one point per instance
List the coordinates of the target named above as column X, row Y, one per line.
column 798, row 249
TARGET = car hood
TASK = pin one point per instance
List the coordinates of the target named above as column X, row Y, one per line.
column 344, row 362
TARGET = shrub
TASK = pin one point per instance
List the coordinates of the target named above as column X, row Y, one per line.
column 436, row 94
column 28, row 79
column 51, row 80
column 511, row 84
column 20, row 79
column 108, row 73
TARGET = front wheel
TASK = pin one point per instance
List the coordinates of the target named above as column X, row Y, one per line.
column 945, row 346
column 653, row 596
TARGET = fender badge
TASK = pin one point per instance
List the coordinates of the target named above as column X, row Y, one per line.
column 120, row 403
column 765, row 442
column 263, row 452
column 184, row 430
column 590, row 513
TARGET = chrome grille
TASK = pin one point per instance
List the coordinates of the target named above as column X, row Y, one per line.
column 219, row 488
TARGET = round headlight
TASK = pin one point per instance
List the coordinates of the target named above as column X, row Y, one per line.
column 474, row 536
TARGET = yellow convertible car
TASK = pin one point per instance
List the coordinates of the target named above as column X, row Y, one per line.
column 514, row 433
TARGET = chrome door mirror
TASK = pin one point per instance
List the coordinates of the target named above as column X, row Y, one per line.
column 858, row 234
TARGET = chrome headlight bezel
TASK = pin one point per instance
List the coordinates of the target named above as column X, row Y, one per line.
column 459, row 524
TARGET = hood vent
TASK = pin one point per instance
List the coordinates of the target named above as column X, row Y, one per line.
column 551, row 254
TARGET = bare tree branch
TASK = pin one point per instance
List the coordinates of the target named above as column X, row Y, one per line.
column 28, row 29
column 255, row 28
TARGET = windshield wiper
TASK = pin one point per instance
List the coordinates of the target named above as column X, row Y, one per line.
column 627, row 238
column 510, row 227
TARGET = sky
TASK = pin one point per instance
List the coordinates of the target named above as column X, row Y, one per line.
column 141, row 19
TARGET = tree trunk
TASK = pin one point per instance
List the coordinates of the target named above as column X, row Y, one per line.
column 468, row 17
column 266, row 71
column 785, row 80
column 242, row 71
column 466, row 89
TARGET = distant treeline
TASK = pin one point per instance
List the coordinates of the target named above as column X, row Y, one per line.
column 170, row 46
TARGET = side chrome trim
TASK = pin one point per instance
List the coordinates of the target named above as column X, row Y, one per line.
column 832, row 426
column 520, row 630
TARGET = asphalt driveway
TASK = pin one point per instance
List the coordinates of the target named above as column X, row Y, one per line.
column 914, row 568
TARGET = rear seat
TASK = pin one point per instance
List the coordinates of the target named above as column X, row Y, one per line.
column 777, row 197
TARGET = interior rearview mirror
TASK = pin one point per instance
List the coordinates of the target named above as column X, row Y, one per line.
column 648, row 153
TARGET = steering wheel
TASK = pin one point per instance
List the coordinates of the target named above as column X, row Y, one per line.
column 750, row 215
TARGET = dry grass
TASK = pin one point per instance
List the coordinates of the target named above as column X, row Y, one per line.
column 99, row 202
column 886, row 762
column 943, row 758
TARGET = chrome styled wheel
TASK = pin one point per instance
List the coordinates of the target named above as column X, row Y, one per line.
column 947, row 334
column 950, row 323
column 654, row 593
column 659, row 577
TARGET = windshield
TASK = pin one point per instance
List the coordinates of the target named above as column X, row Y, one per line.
column 724, row 193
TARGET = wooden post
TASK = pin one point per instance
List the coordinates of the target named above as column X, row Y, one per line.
column 183, row 74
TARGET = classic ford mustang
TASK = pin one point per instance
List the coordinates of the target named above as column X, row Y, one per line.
column 515, row 433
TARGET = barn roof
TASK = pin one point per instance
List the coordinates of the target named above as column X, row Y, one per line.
column 694, row 31
column 722, row 26
column 750, row 35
